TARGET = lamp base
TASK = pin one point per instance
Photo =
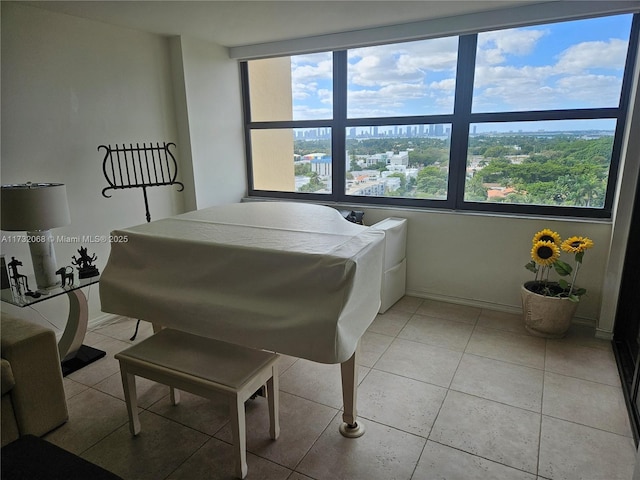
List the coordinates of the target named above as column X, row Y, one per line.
column 43, row 257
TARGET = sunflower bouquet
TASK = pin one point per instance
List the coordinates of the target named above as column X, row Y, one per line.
column 545, row 256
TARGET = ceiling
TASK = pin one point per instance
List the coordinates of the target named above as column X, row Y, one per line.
column 237, row 23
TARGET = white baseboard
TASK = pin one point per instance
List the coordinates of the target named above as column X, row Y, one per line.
column 100, row 320
column 470, row 302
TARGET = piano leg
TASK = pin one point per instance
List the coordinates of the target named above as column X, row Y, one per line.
column 350, row 427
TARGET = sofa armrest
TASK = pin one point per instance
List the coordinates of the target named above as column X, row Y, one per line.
column 38, row 395
column 8, row 381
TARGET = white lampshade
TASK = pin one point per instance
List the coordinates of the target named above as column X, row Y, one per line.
column 34, row 206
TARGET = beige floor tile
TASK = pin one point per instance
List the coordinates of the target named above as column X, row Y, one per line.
column 202, row 414
column 507, row 346
column 72, row 388
column 148, row 392
column 124, row 328
column 301, row 423
column 298, row 476
column 403, row 403
column 285, row 362
column 515, row 385
column 570, row 451
column 586, row 336
column 372, row 346
column 595, row 364
column 442, row 462
column 382, row 453
column 215, row 461
column 92, row 338
column 390, row 322
column 159, row 448
column 449, row 311
column 585, row 402
column 426, row 363
column 319, row 382
column 92, row 416
column 406, row 304
column 489, row 419
column 502, row 321
column 491, row 430
column 436, row 331
column 102, row 368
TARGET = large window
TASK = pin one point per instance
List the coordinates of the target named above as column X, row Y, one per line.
column 521, row 120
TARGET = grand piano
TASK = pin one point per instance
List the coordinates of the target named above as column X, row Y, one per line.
column 293, row 278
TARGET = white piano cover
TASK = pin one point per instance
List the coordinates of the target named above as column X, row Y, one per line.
column 289, row 277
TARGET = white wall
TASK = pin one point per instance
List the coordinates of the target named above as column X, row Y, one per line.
column 69, row 85
column 479, row 259
column 210, row 124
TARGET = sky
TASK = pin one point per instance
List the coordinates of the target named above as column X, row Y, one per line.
column 576, row 64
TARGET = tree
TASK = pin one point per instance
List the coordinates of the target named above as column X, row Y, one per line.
column 474, row 190
column 314, row 184
column 432, row 183
column 302, row 169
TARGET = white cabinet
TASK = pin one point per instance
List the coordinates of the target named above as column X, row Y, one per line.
column 394, row 274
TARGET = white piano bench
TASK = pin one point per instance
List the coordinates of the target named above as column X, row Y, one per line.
column 207, row 368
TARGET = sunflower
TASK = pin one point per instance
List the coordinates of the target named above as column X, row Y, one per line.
column 547, row 235
column 545, row 252
column 576, row 244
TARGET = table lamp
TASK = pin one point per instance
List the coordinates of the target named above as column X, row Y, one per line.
column 36, row 208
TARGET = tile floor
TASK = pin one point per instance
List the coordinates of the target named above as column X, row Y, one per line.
column 446, row 392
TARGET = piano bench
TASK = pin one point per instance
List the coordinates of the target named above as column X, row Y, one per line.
column 207, row 368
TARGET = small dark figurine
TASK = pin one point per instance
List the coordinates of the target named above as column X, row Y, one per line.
column 65, row 275
column 84, row 264
column 20, row 281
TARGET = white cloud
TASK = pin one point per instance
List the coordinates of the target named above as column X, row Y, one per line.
column 447, row 85
column 574, row 79
column 326, row 96
column 587, row 89
column 302, row 91
column 304, row 112
column 401, row 62
column 397, row 78
column 586, row 55
column 511, row 42
column 307, row 72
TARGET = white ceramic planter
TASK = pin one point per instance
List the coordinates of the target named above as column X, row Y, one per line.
column 548, row 317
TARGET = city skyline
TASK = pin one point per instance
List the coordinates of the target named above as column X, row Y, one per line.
column 443, row 131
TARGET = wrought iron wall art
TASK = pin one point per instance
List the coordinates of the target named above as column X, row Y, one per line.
column 139, row 167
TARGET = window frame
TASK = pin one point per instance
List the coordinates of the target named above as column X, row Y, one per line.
column 460, row 120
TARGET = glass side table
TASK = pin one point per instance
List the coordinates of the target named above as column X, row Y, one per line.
column 73, row 354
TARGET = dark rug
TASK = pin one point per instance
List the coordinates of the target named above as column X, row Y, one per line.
column 32, row 458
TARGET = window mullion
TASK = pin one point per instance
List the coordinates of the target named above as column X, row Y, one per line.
column 339, row 125
column 461, row 119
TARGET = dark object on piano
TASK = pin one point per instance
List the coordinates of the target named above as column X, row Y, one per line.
column 353, row 216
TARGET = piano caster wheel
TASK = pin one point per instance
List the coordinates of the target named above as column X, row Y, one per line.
column 352, row 431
